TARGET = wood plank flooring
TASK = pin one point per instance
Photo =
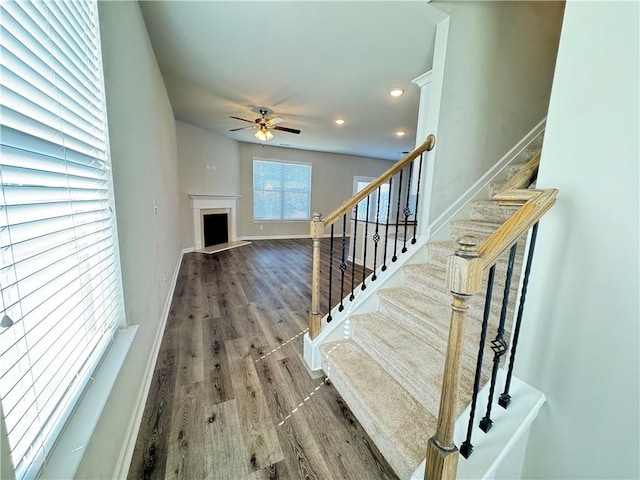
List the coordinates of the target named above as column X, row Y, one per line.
column 223, row 404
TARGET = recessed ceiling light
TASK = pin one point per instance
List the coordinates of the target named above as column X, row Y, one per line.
column 396, row 92
column 339, row 121
column 401, row 133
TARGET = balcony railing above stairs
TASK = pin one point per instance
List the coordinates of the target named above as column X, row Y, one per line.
column 465, row 272
column 390, row 220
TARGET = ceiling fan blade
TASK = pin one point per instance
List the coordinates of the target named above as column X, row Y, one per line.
column 241, row 128
column 244, row 120
column 285, row 129
column 275, row 121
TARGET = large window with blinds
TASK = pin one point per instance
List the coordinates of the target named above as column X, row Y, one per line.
column 281, row 191
column 60, row 284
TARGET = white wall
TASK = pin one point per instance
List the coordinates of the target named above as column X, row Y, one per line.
column 331, row 184
column 580, row 339
column 197, row 149
column 497, row 78
column 143, row 151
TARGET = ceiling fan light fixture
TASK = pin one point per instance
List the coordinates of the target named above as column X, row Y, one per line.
column 263, row 135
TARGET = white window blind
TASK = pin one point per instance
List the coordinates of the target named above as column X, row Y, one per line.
column 281, row 191
column 59, row 272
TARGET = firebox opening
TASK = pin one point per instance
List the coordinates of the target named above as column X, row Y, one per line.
column 216, row 229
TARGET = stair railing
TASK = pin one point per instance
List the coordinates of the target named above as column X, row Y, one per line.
column 390, row 205
column 465, row 272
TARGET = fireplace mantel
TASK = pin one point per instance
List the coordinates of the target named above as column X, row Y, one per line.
column 209, row 201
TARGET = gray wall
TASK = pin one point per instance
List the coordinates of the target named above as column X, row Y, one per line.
column 497, row 79
column 197, row 149
column 143, row 151
column 331, row 184
column 580, row 339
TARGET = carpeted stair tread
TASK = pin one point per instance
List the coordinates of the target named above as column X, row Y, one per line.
column 490, row 211
column 428, row 319
column 514, row 168
column 415, row 364
column 430, row 281
column 437, row 253
column 495, row 187
column 393, row 419
column 478, row 228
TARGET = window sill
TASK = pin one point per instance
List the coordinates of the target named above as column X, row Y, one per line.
column 69, row 450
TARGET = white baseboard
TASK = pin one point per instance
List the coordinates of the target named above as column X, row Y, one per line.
column 281, row 237
column 126, row 453
column 272, row 237
column 483, row 181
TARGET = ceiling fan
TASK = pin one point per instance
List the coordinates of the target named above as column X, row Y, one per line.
column 263, row 125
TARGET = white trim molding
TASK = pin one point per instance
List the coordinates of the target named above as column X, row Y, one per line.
column 201, row 202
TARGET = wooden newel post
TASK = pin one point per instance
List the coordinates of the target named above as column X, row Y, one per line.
column 464, row 279
column 315, row 318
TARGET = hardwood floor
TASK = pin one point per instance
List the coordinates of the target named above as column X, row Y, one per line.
column 231, row 397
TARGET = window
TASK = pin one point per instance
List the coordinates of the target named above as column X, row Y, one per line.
column 360, row 183
column 281, row 191
column 59, row 273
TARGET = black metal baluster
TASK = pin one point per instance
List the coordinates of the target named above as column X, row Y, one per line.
column 505, row 398
column 407, row 210
column 343, row 264
column 329, row 318
column 466, row 448
column 353, row 253
column 386, row 232
column 498, row 345
column 415, row 225
column 395, row 240
column 376, row 238
column 364, row 253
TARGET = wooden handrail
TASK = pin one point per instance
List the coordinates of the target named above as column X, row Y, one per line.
column 319, row 225
column 464, row 277
column 538, row 203
column 426, row 146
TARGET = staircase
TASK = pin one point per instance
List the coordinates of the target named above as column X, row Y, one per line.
column 390, row 370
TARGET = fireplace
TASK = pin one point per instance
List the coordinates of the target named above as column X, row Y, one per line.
column 214, row 219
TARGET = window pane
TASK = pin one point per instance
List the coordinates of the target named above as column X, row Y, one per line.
column 297, row 178
column 267, row 205
column 267, row 176
column 296, row 206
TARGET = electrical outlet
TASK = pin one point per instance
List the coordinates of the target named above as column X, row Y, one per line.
column 165, row 276
column 261, row 227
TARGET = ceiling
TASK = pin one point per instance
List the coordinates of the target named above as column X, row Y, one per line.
column 309, row 62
